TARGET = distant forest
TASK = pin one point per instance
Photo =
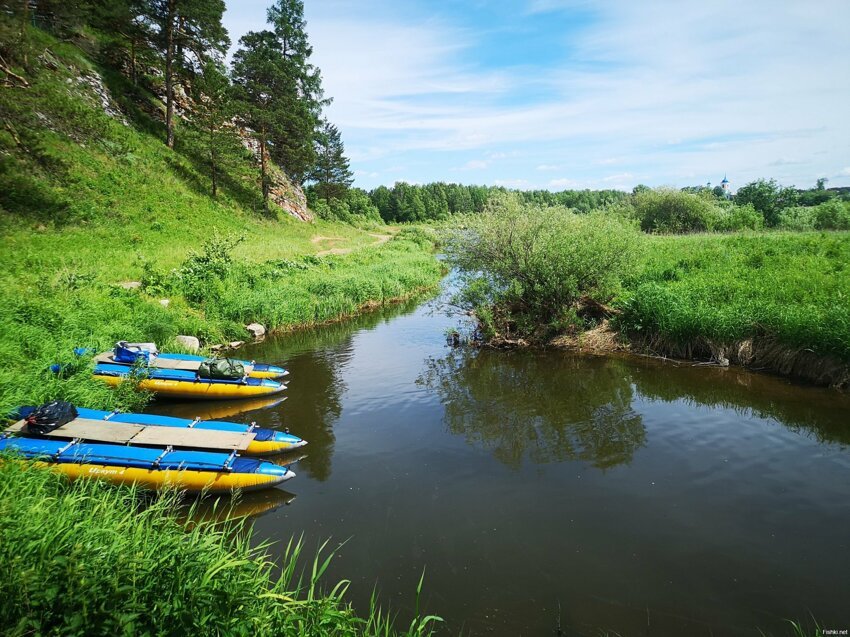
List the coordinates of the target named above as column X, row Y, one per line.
column 758, row 204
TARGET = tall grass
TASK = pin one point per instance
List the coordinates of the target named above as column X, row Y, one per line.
column 91, row 558
column 791, row 288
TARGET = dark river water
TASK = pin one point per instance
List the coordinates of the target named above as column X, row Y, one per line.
column 541, row 490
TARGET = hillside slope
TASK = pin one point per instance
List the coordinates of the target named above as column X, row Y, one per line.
column 91, row 197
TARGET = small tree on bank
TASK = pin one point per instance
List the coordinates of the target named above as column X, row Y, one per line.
column 529, row 271
column 213, row 112
column 332, row 172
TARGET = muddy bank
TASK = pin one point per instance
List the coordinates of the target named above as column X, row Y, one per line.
column 755, row 354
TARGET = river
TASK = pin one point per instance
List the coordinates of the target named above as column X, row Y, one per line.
column 541, row 490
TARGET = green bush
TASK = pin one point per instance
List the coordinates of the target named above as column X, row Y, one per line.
column 526, row 267
column 797, row 218
column 832, row 215
column 732, row 218
column 768, row 198
column 667, row 211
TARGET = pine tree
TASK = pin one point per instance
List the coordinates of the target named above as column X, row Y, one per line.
column 212, row 115
column 331, row 173
column 128, row 24
column 303, row 94
column 190, row 32
column 260, row 79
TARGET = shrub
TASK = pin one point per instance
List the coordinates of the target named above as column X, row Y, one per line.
column 731, row 218
column 797, row 218
column 832, row 215
column 666, row 211
column 202, row 271
column 526, row 267
column 768, row 198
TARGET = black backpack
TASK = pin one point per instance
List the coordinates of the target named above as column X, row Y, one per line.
column 48, row 417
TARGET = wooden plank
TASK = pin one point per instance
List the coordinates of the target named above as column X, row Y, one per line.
column 194, row 438
column 174, row 363
column 90, row 429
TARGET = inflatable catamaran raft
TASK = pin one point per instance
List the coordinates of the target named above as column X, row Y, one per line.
column 210, row 378
column 150, row 467
column 125, row 353
column 139, row 448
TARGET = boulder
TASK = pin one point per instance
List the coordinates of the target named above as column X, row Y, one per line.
column 189, row 342
column 256, row 330
column 165, row 302
column 131, row 285
column 235, row 344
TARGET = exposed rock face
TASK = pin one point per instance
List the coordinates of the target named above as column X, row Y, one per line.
column 282, row 191
column 95, row 87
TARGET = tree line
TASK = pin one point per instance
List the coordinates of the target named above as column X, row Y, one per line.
column 273, row 92
column 759, row 204
column 406, row 202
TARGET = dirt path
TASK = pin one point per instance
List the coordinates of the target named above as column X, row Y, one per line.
column 331, row 241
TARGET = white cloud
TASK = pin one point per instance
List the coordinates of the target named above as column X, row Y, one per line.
column 564, row 184
column 475, row 164
column 512, row 183
column 671, row 90
column 622, row 177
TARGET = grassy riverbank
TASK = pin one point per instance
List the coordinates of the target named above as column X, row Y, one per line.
column 773, row 300
column 90, row 558
column 91, row 197
column 45, row 312
column 768, row 300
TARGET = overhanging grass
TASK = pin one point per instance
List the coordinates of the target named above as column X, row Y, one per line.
column 792, row 288
column 97, row 559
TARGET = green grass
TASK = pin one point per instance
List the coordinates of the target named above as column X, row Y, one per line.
column 94, row 559
column 791, row 288
column 87, row 201
column 45, row 314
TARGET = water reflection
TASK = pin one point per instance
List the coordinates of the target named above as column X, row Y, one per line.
column 818, row 413
column 221, row 409
column 316, row 359
column 244, row 505
column 538, row 406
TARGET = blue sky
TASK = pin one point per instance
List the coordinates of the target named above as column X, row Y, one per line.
column 580, row 94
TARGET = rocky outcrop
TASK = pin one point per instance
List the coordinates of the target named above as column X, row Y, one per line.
column 283, row 193
column 93, row 86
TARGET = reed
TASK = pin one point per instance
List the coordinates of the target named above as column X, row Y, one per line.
column 92, row 558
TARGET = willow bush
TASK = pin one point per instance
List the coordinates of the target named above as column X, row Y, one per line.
column 529, row 270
